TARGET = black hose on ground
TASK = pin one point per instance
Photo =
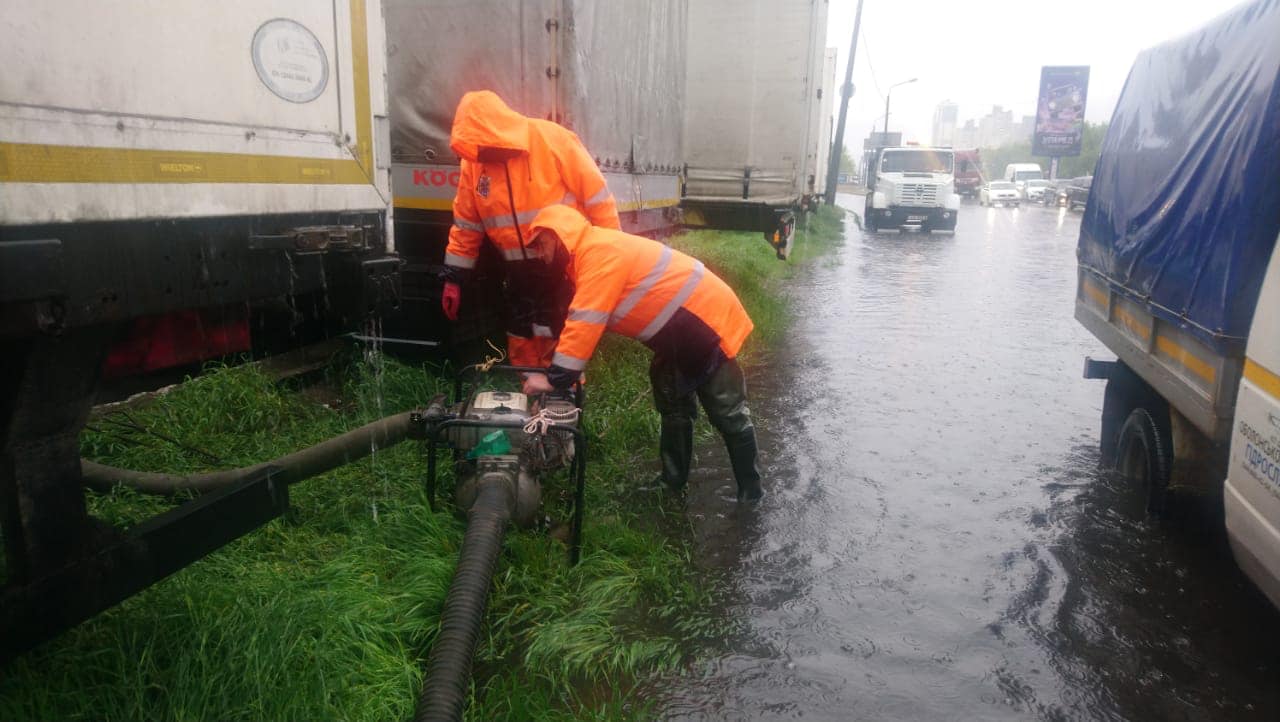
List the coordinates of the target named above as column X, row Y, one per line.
column 444, row 692
column 299, row 465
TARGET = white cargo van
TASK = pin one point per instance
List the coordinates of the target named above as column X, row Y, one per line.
column 1019, row 173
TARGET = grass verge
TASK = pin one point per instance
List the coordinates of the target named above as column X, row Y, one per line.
column 329, row 614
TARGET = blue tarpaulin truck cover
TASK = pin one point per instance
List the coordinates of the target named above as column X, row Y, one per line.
column 1185, row 203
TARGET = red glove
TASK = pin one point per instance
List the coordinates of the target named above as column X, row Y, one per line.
column 450, row 300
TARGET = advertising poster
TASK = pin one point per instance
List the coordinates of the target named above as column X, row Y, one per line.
column 1060, row 111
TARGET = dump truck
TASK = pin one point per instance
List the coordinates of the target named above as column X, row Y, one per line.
column 611, row 72
column 1178, row 278
column 148, row 184
column 752, row 136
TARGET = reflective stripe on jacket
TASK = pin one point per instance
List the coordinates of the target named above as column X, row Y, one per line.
column 634, row 286
column 550, row 166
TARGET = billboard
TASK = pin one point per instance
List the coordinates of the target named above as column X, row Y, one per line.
column 1060, row 110
column 882, row 140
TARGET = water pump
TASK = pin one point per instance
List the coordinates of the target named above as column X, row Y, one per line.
column 502, row 443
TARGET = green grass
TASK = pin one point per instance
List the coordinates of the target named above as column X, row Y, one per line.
column 747, row 263
column 329, row 614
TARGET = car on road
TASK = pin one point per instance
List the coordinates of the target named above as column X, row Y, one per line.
column 1033, row 190
column 1055, row 195
column 1078, row 192
column 1001, row 193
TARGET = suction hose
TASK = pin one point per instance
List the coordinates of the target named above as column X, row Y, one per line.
column 449, row 666
column 299, row 465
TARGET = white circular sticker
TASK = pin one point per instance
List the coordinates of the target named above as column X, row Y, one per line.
column 290, row 60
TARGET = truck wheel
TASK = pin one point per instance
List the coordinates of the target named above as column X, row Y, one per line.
column 869, row 223
column 1143, row 454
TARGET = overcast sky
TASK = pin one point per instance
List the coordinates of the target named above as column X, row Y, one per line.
column 980, row 53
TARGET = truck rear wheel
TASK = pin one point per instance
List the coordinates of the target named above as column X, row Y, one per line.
column 1144, row 454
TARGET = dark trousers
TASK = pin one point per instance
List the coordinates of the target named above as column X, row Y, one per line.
column 723, row 396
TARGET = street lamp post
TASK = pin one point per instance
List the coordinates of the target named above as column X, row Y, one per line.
column 887, row 94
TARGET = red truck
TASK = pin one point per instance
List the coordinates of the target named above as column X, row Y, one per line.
column 968, row 172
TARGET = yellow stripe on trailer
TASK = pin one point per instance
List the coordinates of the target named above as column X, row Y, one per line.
column 646, row 205
column 1094, row 291
column 1262, row 377
column 445, row 204
column 423, row 204
column 1189, row 361
column 32, row 163
column 1133, row 323
column 360, row 69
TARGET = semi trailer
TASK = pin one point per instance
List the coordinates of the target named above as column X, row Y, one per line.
column 151, row 182
column 611, row 72
column 754, row 142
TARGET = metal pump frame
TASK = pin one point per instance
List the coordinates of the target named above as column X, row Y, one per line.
column 434, row 425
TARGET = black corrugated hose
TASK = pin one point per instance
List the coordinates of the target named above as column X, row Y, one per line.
column 329, row 454
column 444, row 692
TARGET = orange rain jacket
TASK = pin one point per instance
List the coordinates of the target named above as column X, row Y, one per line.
column 500, row 198
column 643, row 289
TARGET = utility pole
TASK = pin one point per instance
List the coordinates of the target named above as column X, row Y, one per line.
column 846, row 92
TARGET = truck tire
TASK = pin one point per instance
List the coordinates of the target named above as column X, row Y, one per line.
column 1144, row 454
column 869, row 222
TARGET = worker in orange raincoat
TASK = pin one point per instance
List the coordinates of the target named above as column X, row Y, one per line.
column 513, row 167
column 692, row 321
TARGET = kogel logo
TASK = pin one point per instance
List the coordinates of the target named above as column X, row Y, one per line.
column 435, row 178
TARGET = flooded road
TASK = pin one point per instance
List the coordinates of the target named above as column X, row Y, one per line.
column 938, row 542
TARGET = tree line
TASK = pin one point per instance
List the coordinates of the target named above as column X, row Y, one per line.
column 995, row 159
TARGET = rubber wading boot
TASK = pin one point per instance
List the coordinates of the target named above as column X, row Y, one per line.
column 675, row 447
column 742, row 456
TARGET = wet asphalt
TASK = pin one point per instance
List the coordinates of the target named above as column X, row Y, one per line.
column 938, row 542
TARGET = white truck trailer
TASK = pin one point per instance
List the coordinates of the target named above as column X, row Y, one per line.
column 184, row 157
column 611, row 72
column 1178, row 277
column 753, row 99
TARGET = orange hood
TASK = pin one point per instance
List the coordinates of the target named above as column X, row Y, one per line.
column 484, row 121
column 566, row 222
